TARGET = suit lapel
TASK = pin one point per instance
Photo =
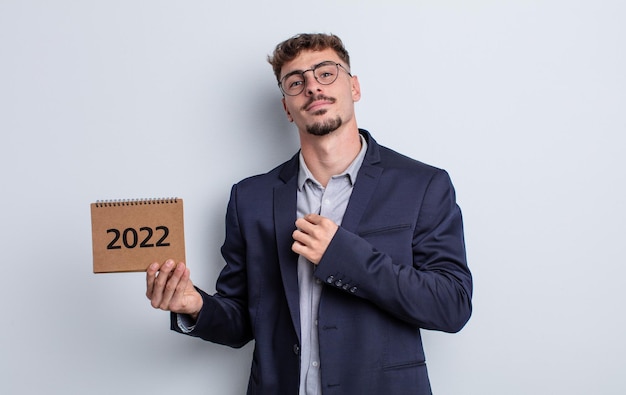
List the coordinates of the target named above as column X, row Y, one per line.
column 365, row 186
column 285, row 208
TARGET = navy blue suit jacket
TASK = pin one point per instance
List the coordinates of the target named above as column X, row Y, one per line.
column 396, row 264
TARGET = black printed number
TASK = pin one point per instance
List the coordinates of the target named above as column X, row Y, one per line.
column 130, row 238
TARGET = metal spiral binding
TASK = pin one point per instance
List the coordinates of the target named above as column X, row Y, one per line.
column 135, row 202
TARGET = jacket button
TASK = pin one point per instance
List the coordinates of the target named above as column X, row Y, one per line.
column 338, row 283
column 296, row 349
column 353, row 289
column 330, row 279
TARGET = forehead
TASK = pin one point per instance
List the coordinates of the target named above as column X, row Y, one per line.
column 307, row 59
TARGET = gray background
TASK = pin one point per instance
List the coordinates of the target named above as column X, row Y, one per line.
column 523, row 102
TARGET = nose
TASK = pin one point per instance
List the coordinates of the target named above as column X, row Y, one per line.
column 311, row 85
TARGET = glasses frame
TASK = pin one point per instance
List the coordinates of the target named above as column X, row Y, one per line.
column 312, row 69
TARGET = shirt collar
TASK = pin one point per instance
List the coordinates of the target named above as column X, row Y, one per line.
column 304, row 173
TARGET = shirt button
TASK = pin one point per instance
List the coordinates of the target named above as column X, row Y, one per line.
column 315, row 364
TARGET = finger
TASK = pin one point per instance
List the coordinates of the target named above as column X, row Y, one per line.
column 171, row 286
column 305, row 225
column 150, row 277
column 305, row 251
column 301, row 250
column 178, row 299
column 309, row 221
column 164, row 273
column 159, row 281
column 302, row 237
column 183, row 283
column 313, row 218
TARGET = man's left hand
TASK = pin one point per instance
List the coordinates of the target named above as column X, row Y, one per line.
column 312, row 236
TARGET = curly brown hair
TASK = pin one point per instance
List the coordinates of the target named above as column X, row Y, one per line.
column 291, row 48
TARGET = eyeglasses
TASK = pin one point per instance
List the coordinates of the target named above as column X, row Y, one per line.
column 325, row 73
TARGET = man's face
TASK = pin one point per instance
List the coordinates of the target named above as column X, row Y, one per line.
column 321, row 109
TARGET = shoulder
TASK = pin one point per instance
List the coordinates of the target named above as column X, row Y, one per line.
column 395, row 163
column 279, row 175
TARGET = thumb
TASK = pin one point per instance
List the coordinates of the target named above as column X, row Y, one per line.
column 313, row 218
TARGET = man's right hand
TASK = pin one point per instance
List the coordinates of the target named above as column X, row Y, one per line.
column 170, row 288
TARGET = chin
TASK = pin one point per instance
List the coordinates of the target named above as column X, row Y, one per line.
column 324, row 128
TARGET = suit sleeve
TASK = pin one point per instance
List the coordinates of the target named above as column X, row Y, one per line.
column 431, row 292
column 224, row 316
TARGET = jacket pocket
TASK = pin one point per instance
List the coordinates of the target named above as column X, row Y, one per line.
column 403, row 365
column 384, row 229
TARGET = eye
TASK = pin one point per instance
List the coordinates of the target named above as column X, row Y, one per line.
column 294, row 84
column 326, row 73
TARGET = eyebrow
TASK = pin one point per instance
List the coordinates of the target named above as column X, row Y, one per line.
column 310, row 68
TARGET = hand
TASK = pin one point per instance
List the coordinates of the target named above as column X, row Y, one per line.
column 170, row 288
column 312, row 236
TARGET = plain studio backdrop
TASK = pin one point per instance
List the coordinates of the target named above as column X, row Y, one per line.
column 522, row 101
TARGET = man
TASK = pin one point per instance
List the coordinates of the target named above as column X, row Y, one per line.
column 336, row 258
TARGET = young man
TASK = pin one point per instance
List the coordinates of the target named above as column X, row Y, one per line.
column 336, row 258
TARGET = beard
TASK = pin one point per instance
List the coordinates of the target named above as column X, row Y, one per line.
column 323, row 128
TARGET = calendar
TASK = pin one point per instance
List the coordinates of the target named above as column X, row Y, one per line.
column 130, row 234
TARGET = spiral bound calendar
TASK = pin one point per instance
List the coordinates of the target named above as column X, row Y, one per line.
column 129, row 235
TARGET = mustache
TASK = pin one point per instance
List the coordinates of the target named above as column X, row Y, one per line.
column 316, row 98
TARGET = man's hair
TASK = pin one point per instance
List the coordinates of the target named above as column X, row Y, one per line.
column 289, row 49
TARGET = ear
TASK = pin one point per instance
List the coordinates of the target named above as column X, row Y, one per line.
column 356, row 89
column 289, row 117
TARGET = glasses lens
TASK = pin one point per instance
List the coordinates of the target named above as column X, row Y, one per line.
column 293, row 84
column 326, row 73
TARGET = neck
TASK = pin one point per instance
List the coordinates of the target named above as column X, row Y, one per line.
column 329, row 155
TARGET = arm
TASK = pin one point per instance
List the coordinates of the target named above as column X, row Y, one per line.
column 224, row 317
column 221, row 318
column 433, row 291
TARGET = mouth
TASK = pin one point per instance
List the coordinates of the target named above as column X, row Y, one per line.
column 315, row 103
